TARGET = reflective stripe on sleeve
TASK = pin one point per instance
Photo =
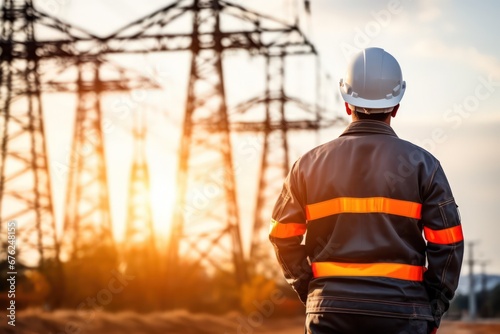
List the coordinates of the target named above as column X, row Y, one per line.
column 363, row 205
column 286, row 230
column 444, row 237
column 391, row 270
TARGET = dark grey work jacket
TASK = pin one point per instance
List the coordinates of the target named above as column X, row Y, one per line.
column 382, row 230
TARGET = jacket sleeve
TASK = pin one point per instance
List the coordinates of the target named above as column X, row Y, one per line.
column 445, row 245
column 288, row 226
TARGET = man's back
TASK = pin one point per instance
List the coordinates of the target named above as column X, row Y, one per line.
column 362, row 229
column 383, row 234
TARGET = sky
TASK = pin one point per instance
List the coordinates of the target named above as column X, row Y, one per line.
column 450, row 58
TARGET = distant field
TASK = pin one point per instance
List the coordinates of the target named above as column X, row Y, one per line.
column 181, row 322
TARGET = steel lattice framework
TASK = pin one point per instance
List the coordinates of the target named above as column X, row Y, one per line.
column 275, row 128
column 139, row 230
column 25, row 187
column 30, row 67
column 208, row 231
column 205, row 230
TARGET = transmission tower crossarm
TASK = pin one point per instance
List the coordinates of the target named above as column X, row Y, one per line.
column 72, row 32
column 125, row 39
column 168, row 42
column 138, row 27
column 274, row 126
column 126, row 80
column 19, row 49
column 135, row 37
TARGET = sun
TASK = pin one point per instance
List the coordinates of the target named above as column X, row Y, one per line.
column 163, row 203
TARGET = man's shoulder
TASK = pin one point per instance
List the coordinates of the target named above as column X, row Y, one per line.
column 413, row 148
column 398, row 146
column 321, row 149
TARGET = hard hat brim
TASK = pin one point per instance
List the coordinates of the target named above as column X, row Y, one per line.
column 373, row 104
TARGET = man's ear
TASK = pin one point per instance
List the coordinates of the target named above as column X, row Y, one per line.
column 347, row 109
column 395, row 110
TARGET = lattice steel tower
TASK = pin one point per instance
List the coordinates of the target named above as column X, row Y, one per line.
column 87, row 212
column 139, row 231
column 206, row 225
column 25, row 188
column 205, row 161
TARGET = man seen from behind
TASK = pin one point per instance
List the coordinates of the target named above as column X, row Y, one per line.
column 384, row 244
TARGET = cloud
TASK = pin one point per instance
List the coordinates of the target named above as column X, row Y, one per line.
column 430, row 10
column 468, row 55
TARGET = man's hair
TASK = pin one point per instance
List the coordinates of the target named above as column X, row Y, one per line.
column 376, row 117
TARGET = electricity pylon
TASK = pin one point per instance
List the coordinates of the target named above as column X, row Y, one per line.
column 206, row 224
column 139, row 231
column 87, row 215
column 279, row 120
column 25, row 187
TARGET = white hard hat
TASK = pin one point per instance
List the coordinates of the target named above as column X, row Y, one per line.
column 373, row 81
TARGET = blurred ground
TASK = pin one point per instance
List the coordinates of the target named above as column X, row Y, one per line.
column 177, row 322
column 446, row 328
column 455, row 327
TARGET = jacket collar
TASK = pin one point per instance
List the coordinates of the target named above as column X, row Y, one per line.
column 367, row 127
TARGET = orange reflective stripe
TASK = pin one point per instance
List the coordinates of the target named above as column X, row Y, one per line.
column 363, row 205
column 286, row 230
column 445, row 236
column 392, row 270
